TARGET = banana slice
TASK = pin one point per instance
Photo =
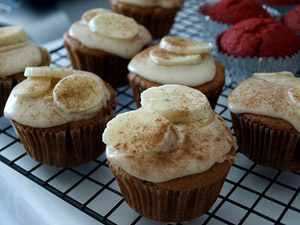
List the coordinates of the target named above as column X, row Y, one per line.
column 88, row 15
column 46, row 71
column 32, row 87
column 78, row 92
column 140, row 132
column 14, row 46
column 185, row 46
column 114, row 26
column 277, row 78
column 177, row 103
column 166, row 58
column 294, row 95
column 283, row 73
column 12, row 35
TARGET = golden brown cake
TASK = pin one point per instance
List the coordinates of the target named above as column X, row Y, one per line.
column 177, row 61
column 59, row 114
column 103, row 42
column 265, row 116
column 17, row 52
column 157, row 16
column 171, row 156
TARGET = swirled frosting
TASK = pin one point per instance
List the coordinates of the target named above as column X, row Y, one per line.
column 182, row 138
column 275, row 95
column 56, row 96
column 175, row 61
column 152, row 3
column 110, row 32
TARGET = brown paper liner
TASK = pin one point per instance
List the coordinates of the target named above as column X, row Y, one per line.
column 157, row 20
column 277, row 149
column 177, row 200
column 111, row 68
column 212, row 90
column 8, row 83
column 67, row 145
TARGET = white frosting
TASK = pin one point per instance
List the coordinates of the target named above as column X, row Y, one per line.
column 152, row 3
column 15, row 58
column 276, row 96
column 200, row 145
column 190, row 75
column 150, row 146
column 42, row 111
column 125, row 48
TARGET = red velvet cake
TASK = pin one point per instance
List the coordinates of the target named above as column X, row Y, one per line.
column 234, row 11
column 259, row 37
column 292, row 19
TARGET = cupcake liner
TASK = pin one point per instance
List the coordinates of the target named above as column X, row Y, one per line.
column 212, row 28
column 276, row 149
column 139, row 84
column 111, row 68
column 157, row 21
column 239, row 69
column 281, row 9
column 147, row 199
column 67, row 145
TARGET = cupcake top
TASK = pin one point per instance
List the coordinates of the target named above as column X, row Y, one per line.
column 53, row 96
column 16, row 51
column 279, row 2
column 276, row 95
column 234, row 11
column 174, row 134
column 174, row 58
column 259, row 37
column 104, row 30
column 153, row 3
column 292, row 19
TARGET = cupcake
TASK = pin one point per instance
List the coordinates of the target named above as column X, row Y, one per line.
column 258, row 45
column 282, row 6
column 157, row 16
column 171, row 156
column 266, row 119
column 292, row 19
column 177, row 61
column 59, row 114
column 103, row 42
column 218, row 17
column 17, row 52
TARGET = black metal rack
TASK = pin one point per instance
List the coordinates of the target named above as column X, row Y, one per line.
column 251, row 194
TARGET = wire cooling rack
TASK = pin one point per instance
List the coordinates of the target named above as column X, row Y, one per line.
column 251, row 194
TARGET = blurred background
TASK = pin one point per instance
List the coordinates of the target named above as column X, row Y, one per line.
column 45, row 20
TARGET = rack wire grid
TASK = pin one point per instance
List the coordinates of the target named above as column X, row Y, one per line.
column 251, row 194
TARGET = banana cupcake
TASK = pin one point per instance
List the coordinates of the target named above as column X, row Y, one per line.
column 103, row 42
column 177, row 61
column 171, row 156
column 60, row 113
column 266, row 119
column 17, row 52
column 156, row 15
